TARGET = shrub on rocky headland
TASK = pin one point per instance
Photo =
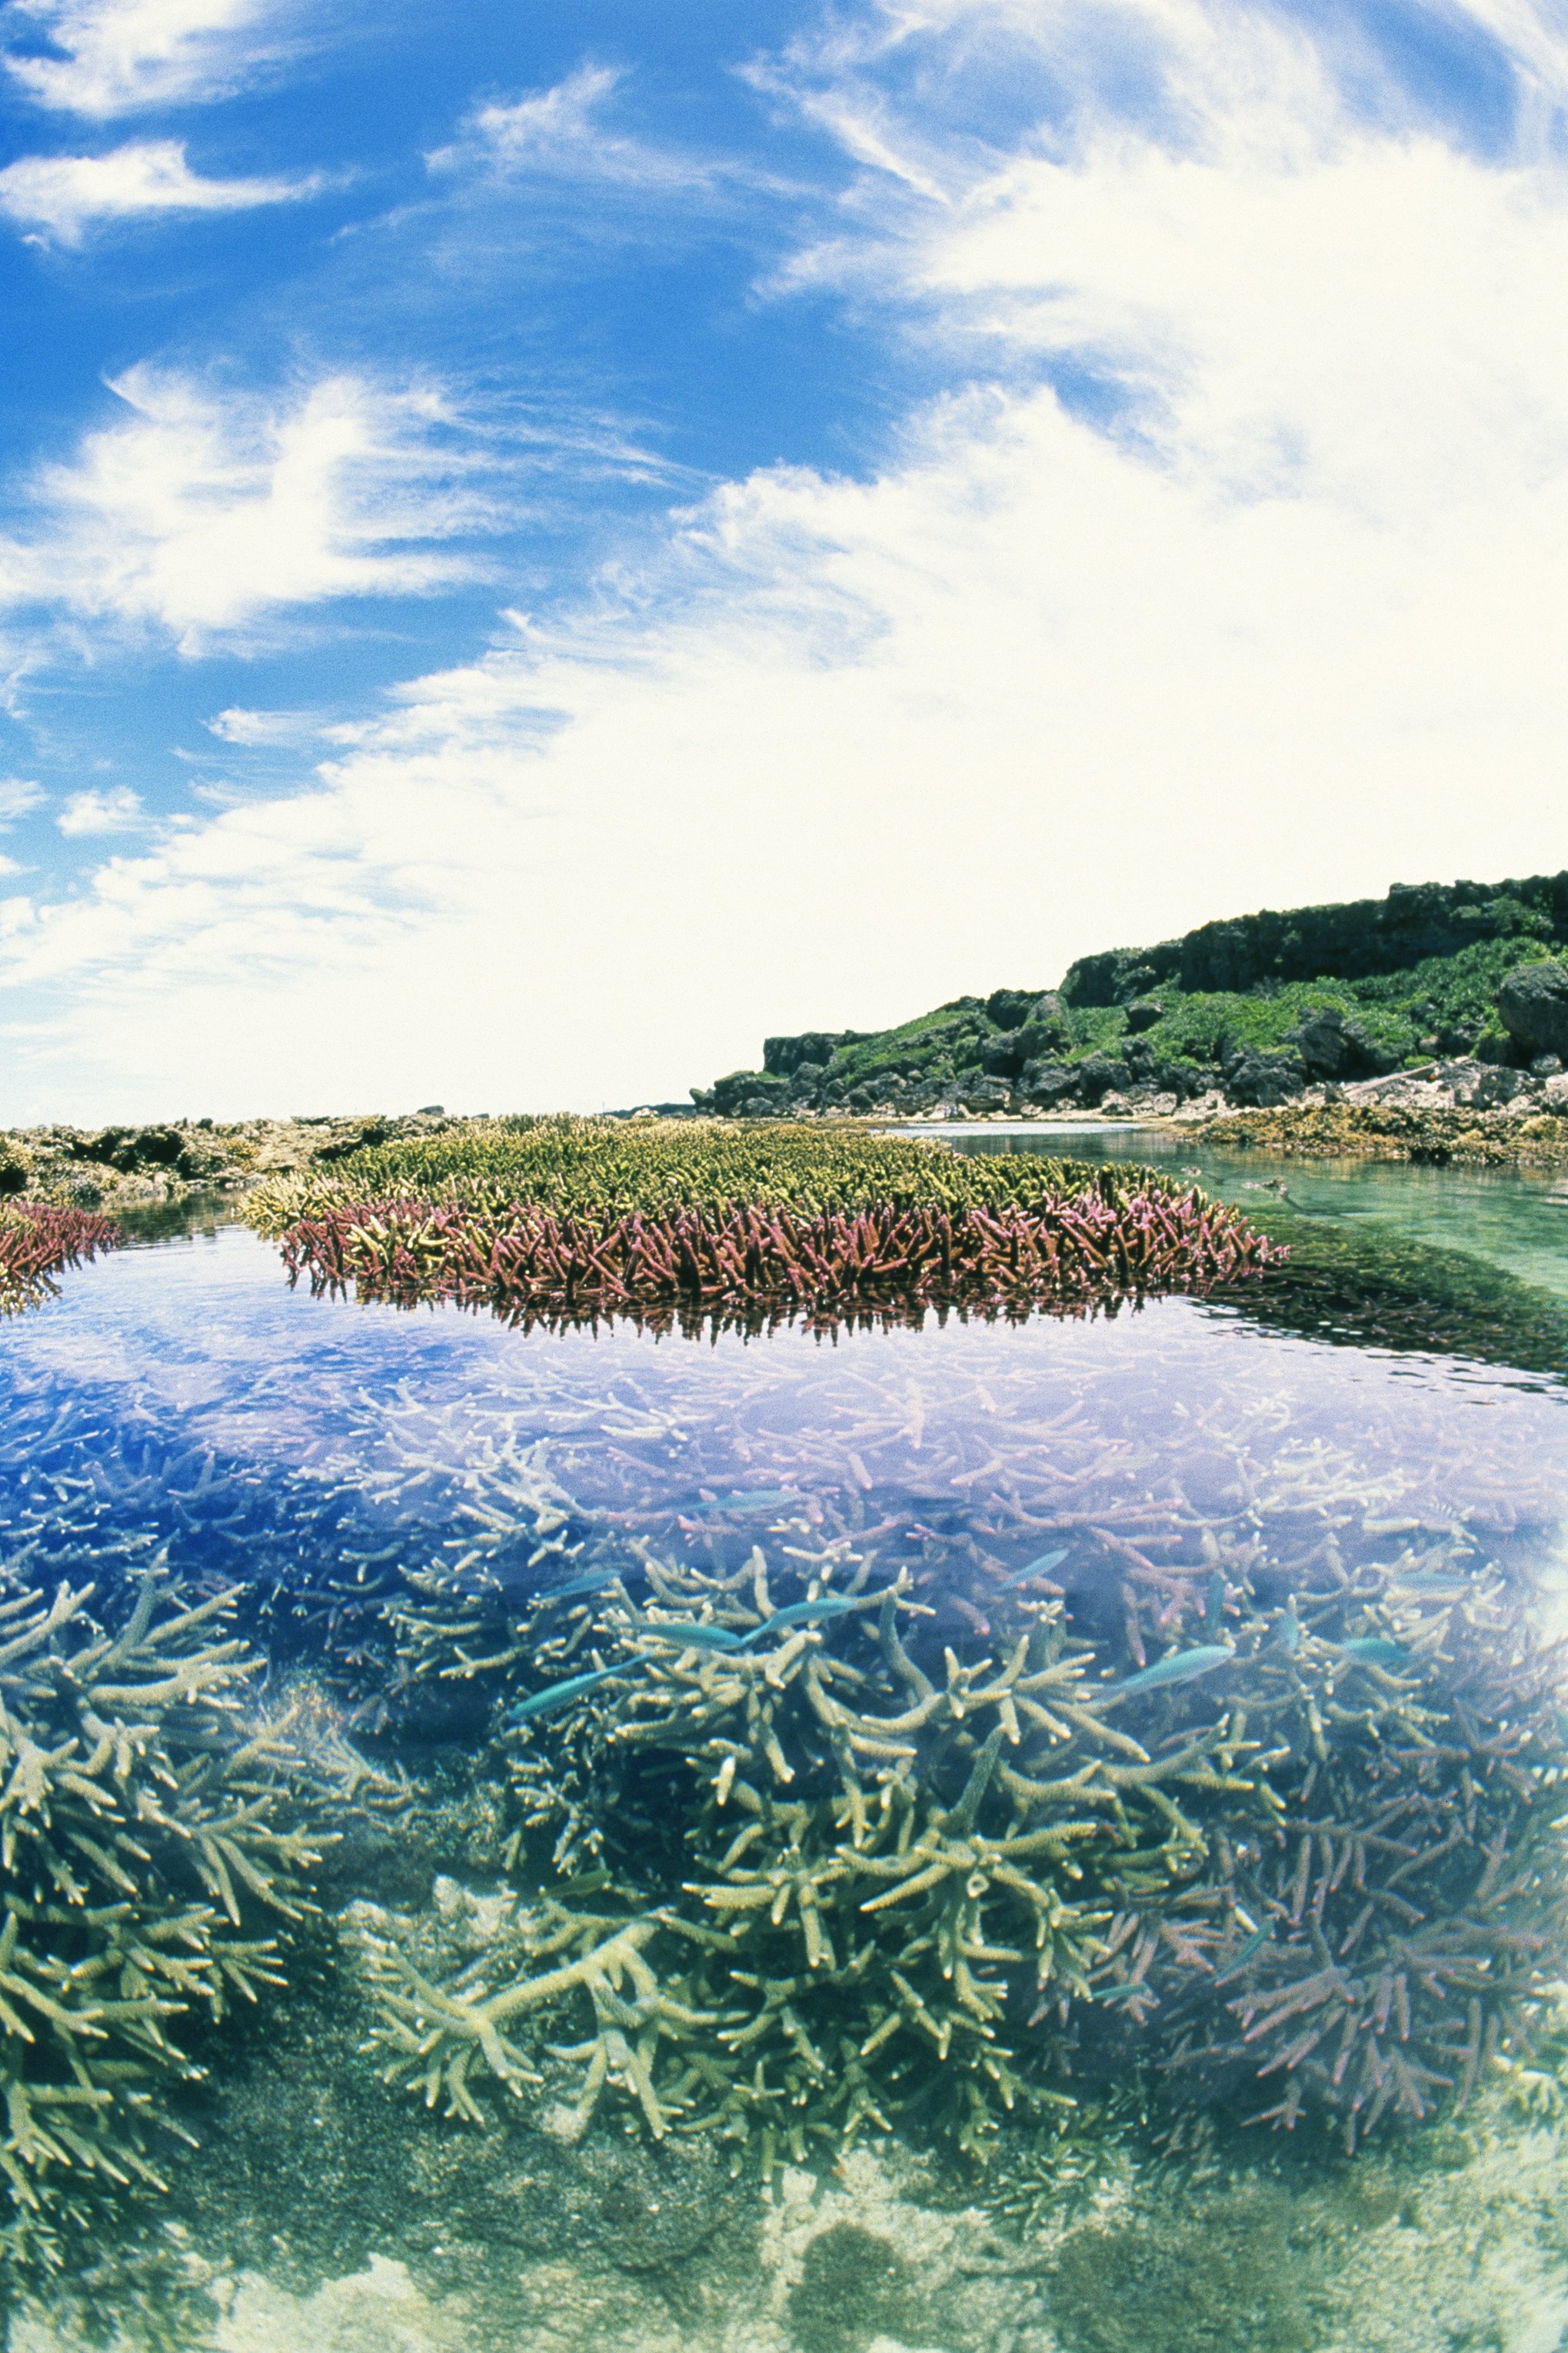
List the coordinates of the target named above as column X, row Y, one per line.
column 1247, row 1013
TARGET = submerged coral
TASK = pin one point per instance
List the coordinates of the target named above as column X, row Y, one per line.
column 151, row 1854
column 834, row 1849
column 37, row 1241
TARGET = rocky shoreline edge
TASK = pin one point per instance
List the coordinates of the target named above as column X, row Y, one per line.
column 1463, row 1111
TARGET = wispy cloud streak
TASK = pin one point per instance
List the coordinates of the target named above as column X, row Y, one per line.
column 198, row 515
column 106, row 58
column 59, row 198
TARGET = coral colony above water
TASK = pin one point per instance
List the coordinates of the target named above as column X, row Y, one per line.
column 37, row 1241
column 920, row 1749
column 565, row 1217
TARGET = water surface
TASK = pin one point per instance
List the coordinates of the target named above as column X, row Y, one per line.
column 180, row 1400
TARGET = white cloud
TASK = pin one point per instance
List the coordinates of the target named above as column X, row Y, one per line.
column 114, row 811
column 265, row 727
column 1276, row 616
column 18, row 797
column 9, row 866
column 563, row 133
column 116, row 56
column 61, row 196
column 199, row 513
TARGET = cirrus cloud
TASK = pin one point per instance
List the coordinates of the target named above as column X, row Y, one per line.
column 197, row 515
column 118, row 56
column 59, row 198
column 1232, row 571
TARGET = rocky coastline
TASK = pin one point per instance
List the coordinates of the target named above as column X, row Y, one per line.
column 132, row 1167
column 1442, row 1009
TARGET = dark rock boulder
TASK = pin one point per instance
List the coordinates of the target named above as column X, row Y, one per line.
column 1259, row 1081
column 1532, row 1006
column 1331, row 1047
column 1009, row 1008
column 781, row 1056
column 1045, row 1032
column 1004, row 1057
column 739, row 1091
column 1184, row 1080
column 1101, row 1074
column 983, row 1094
column 1046, row 1084
column 1142, row 1014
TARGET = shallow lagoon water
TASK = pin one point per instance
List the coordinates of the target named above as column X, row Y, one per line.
column 1516, row 1219
column 180, row 1396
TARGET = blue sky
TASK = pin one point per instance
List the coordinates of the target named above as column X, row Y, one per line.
column 538, row 545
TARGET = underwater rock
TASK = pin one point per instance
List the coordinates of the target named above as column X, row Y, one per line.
column 853, row 2286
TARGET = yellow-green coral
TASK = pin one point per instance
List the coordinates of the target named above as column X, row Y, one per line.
column 827, row 1856
column 144, row 1841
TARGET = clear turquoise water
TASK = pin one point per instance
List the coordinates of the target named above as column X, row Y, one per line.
column 1513, row 1218
column 180, row 1400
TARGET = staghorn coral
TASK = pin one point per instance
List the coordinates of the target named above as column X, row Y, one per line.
column 834, row 1852
column 1393, row 1929
column 844, row 1854
column 147, row 1858
column 37, row 1241
column 577, row 1217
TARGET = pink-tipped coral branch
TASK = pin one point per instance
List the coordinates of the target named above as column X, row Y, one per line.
column 36, row 1242
column 1066, row 1249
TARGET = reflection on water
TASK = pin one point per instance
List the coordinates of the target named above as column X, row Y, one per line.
column 180, row 1400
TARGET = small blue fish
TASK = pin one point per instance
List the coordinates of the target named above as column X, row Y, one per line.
column 591, row 1583
column 554, row 1695
column 1376, row 1650
column 1048, row 1560
column 1179, row 1667
column 801, row 1613
column 1255, row 1944
column 695, row 1636
column 744, row 1503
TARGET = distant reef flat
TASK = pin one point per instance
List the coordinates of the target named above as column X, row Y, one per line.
column 127, row 1167
column 1443, row 1000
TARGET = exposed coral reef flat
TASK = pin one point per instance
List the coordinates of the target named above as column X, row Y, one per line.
column 1424, row 1125
column 123, row 1167
column 679, row 1220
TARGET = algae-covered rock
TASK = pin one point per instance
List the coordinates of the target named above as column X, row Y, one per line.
column 854, row 2285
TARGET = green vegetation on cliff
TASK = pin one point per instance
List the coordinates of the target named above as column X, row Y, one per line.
column 1258, row 1007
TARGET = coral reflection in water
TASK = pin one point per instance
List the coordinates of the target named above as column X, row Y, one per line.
column 183, row 1397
